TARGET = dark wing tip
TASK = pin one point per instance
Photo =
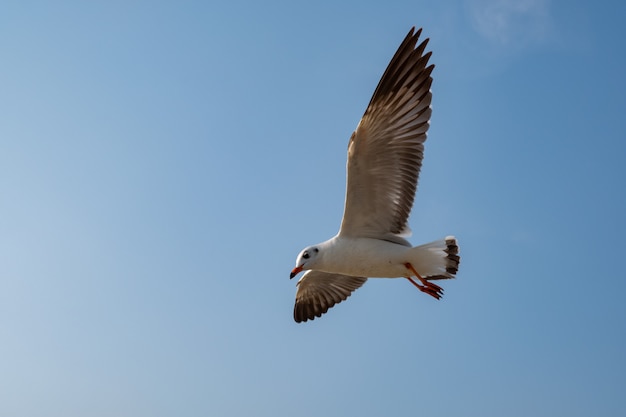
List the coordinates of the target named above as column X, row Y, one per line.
column 314, row 303
column 409, row 57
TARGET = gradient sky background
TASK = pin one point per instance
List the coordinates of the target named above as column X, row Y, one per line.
column 163, row 163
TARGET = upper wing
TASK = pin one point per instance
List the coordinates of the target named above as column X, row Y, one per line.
column 386, row 149
column 319, row 291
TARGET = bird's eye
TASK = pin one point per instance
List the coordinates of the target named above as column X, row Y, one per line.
column 305, row 255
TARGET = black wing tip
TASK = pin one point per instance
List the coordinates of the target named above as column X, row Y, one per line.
column 414, row 35
column 412, row 32
column 408, row 55
column 304, row 311
column 300, row 315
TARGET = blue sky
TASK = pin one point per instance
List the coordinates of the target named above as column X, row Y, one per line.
column 163, row 163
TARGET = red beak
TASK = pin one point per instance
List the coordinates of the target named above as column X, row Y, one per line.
column 295, row 272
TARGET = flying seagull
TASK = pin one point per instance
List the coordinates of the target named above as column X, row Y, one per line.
column 384, row 159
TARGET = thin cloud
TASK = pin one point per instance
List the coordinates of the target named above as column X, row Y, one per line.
column 482, row 37
column 510, row 23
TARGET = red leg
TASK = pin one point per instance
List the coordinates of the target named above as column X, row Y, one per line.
column 427, row 287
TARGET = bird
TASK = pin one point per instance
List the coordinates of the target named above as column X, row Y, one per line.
column 385, row 154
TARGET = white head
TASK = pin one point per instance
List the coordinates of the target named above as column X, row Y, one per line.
column 306, row 260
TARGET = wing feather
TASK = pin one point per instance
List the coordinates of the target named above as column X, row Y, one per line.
column 319, row 291
column 386, row 150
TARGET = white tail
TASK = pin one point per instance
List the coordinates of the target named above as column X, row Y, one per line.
column 437, row 260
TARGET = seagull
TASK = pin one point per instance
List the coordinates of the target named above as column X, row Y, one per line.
column 385, row 155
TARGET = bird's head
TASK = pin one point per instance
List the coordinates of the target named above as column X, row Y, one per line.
column 306, row 260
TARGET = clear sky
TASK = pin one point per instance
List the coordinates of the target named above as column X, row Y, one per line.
column 163, row 163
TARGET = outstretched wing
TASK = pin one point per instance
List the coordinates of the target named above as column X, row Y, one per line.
column 386, row 149
column 319, row 291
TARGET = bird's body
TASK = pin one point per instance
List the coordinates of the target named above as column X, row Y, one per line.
column 375, row 258
column 385, row 155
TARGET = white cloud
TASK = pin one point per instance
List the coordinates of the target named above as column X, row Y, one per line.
column 510, row 23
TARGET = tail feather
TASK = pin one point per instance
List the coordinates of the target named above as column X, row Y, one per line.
column 438, row 260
